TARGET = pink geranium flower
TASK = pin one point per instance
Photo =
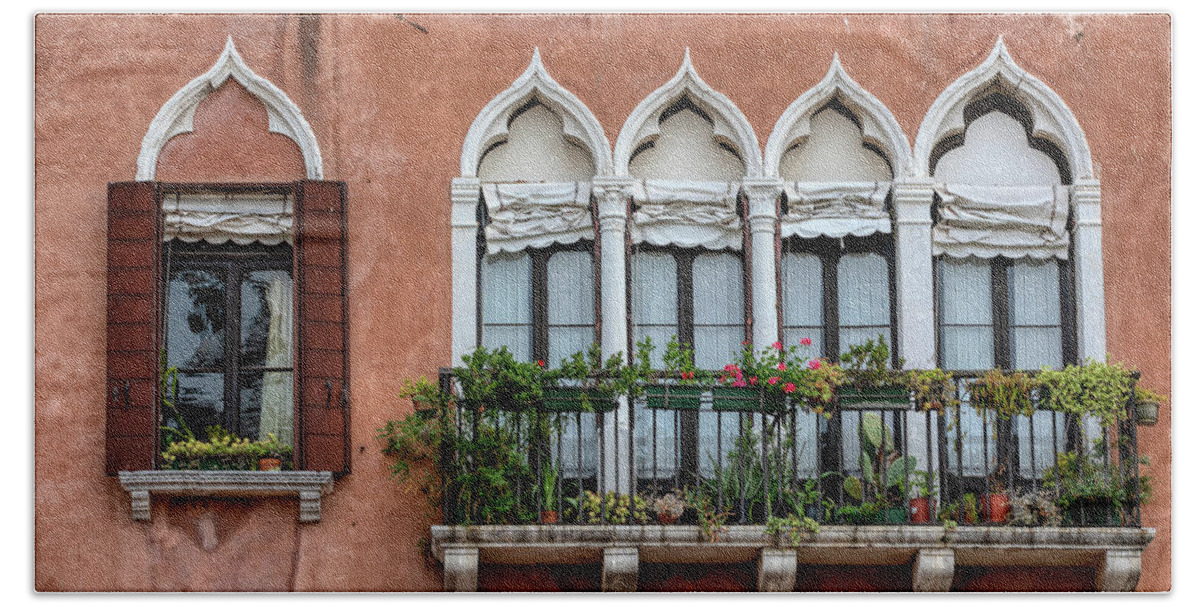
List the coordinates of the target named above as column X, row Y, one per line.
column 781, row 367
column 805, row 342
column 777, row 346
column 789, row 388
column 814, row 364
column 773, row 380
column 753, row 380
column 739, row 384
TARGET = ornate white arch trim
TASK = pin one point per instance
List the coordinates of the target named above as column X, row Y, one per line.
column 175, row 116
column 579, row 124
column 879, row 126
column 730, row 125
column 1052, row 119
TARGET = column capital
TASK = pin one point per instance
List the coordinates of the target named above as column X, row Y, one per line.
column 611, row 196
column 913, row 201
column 1085, row 197
column 464, row 196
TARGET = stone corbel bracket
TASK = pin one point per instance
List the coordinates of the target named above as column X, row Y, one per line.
column 307, row 486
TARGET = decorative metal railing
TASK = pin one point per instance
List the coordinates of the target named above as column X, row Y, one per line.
column 732, row 457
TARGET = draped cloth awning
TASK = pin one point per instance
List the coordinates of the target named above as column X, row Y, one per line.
column 522, row 216
column 219, row 218
column 835, row 209
column 1010, row 221
column 686, row 213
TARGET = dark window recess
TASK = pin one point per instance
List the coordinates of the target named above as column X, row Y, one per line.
column 229, row 316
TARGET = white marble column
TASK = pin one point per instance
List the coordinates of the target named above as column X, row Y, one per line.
column 1119, row 570
column 763, row 218
column 464, row 202
column 611, row 196
column 933, row 570
column 1089, row 271
column 913, row 203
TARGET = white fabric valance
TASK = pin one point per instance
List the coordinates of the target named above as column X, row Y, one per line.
column 835, row 209
column 1010, row 221
column 687, row 214
column 522, row 216
column 218, row 218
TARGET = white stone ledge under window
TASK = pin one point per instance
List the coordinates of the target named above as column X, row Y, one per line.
column 932, row 551
column 307, row 486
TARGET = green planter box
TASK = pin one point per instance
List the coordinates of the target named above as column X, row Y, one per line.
column 731, row 399
column 576, row 399
column 874, row 398
column 670, row 397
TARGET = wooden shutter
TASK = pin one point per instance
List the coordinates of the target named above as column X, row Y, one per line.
column 134, row 322
column 320, row 271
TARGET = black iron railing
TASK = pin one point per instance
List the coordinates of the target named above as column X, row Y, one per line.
column 873, row 462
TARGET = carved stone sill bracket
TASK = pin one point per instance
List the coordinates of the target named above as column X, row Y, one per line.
column 307, row 486
column 933, row 553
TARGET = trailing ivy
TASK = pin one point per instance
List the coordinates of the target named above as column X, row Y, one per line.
column 1096, row 389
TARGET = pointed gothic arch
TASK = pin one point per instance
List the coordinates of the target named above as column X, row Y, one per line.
column 880, row 129
column 175, row 116
column 490, row 127
column 730, row 126
column 1049, row 118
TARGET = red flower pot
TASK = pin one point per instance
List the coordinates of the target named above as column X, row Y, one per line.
column 666, row 519
column 997, row 507
column 270, row 464
column 549, row 517
column 921, row 509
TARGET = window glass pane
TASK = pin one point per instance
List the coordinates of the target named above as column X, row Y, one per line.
column 965, row 306
column 1034, row 314
column 267, row 319
column 864, row 307
column 1049, row 432
column 266, row 405
column 508, row 302
column 718, row 308
column 196, row 319
column 655, row 300
column 656, row 433
column 571, row 308
column 201, row 401
column 803, row 311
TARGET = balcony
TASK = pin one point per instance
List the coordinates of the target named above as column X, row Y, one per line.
column 873, row 481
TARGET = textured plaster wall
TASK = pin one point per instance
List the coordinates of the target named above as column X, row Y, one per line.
column 390, row 103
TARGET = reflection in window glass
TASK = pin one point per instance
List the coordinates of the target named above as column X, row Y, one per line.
column 864, row 304
column 507, row 302
column 655, row 300
column 803, row 294
column 718, row 306
column 570, row 304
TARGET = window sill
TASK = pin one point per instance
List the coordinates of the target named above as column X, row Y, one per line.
column 933, row 552
column 307, row 486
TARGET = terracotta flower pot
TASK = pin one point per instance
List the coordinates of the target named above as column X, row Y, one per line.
column 549, row 517
column 997, row 507
column 1147, row 413
column 667, row 519
column 270, row 464
column 921, row 509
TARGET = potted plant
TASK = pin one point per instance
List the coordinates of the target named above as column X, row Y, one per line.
column 933, row 389
column 616, row 509
column 870, row 384
column 970, row 508
column 495, row 380
column 996, row 499
column 922, row 506
column 1005, row 394
column 1147, row 404
column 1034, row 508
column 884, row 470
column 271, row 453
column 682, row 384
column 766, row 381
column 549, row 485
column 669, row 507
column 586, row 382
column 1095, row 389
column 1091, row 490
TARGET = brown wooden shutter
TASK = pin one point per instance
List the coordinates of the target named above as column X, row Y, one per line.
column 134, row 322
column 320, row 271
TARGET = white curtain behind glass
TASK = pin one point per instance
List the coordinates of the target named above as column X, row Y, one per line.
column 507, row 303
column 718, row 306
column 864, row 305
column 965, row 304
column 570, row 303
column 655, row 314
column 276, row 416
column 1036, row 341
column 803, row 311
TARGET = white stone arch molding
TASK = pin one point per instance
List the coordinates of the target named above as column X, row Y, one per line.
column 730, row 125
column 490, row 127
column 1052, row 119
column 879, row 126
column 175, row 116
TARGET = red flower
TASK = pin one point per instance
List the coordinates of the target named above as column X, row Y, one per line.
column 731, row 368
column 773, row 380
column 805, row 342
column 814, row 364
column 753, row 380
column 541, row 363
column 781, row 367
column 777, row 346
column 789, row 388
column 739, row 384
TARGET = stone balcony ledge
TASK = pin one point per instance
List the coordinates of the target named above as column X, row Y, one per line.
column 932, row 551
column 307, row 486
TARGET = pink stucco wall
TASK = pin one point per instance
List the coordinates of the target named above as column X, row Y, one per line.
column 390, row 104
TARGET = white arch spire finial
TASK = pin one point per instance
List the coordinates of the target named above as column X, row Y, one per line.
column 879, row 126
column 731, row 123
column 175, row 116
column 491, row 125
column 1052, row 119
